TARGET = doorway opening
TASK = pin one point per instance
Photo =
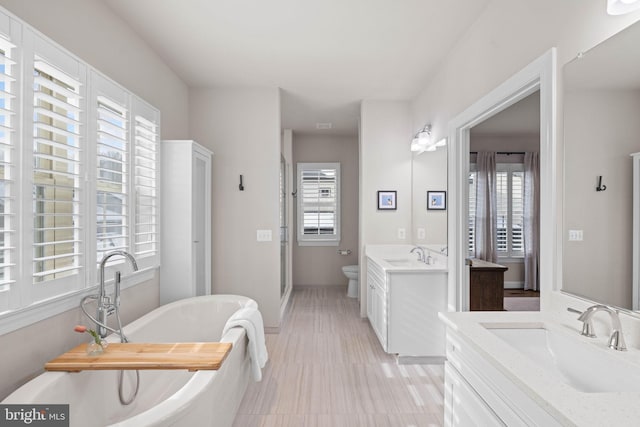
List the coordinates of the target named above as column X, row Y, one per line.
column 537, row 77
column 503, row 209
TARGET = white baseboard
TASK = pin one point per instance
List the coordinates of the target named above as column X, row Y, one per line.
column 514, row 285
column 420, row 360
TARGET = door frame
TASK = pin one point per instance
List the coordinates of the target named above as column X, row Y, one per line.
column 538, row 75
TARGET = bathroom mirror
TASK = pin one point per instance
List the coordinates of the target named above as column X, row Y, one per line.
column 601, row 97
column 429, row 173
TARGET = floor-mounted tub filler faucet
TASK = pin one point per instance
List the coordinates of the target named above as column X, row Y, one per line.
column 616, row 341
column 106, row 307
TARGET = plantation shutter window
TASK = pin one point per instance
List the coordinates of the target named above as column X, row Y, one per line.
column 78, row 177
column 112, row 183
column 8, row 204
column 318, row 203
column 57, row 151
column 147, row 203
column 473, row 184
column 510, row 209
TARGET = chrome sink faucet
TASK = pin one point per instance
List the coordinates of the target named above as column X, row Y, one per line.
column 421, row 255
column 616, row 341
column 107, row 307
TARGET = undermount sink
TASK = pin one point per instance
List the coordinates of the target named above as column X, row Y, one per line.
column 578, row 364
column 405, row 262
column 401, row 262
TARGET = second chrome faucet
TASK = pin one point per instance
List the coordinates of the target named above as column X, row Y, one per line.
column 616, row 340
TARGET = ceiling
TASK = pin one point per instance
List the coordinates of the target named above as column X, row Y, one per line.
column 325, row 56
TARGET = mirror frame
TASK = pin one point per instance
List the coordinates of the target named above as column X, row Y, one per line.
column 538, row 75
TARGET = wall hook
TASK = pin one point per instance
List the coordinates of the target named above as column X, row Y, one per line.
column 295, row 193
column 600, row 187
column 241, row 187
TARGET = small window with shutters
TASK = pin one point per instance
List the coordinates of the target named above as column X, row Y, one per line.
column 318, row 204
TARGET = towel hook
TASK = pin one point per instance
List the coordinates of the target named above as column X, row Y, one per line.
column 600, row 187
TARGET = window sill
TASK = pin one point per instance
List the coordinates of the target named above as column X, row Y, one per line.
column 20, row 318
column 318, row 243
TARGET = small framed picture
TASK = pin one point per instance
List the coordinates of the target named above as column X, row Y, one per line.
column 437, row 200
column 386, row 200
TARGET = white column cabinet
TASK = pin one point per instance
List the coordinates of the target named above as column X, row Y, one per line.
column 185, row 269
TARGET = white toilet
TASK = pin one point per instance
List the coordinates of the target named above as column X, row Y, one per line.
column 351, row 271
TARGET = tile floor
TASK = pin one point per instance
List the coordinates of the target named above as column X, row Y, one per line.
column 327, row 368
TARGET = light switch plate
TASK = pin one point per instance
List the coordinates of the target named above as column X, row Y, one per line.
column 421, row 233
column 402, row 233
column 263, row 235
column 575, row 235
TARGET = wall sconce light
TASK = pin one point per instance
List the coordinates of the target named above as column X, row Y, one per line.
column 620, row 7
column 423, row 141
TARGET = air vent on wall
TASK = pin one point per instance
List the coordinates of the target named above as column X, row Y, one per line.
column 323, row 125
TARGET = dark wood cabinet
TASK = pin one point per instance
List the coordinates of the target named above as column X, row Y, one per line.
column 486, row 286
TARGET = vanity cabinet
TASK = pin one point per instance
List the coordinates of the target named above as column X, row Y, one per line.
column 377, row 301
column 477, row 393
column 186, row 221
column 403, row 306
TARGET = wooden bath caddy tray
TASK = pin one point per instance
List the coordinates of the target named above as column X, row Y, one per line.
column 193, row 356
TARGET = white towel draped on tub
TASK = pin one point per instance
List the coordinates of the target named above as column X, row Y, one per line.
column 250, row 319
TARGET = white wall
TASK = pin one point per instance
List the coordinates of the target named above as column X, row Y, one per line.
column 599, row 267
column 322, row 265
column 507, row 36
column 89, row 29
column 385, row 164
column 242, row 127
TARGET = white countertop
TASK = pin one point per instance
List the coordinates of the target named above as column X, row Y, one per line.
column 568, row 405
column 399, row 259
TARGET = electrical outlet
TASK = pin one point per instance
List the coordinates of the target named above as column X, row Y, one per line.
column 421, row 233
column 402, row 233
column 263, row 235
column 575, row 235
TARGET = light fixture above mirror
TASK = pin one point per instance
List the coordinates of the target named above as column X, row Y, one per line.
column 620, row 7
column 423, row 141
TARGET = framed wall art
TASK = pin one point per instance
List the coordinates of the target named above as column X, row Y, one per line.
column 386, row 200
column 437, row 200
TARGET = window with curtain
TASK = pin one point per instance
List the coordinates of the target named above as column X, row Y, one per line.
column 318, row 203
column 510, row 186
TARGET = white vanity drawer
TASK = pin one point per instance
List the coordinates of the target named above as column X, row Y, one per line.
column 510, row 403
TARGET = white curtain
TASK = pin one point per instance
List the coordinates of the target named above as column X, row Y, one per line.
column 531, row 228
column 486, row 221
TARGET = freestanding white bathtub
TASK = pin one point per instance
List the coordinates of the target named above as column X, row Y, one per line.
column 165, row 397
